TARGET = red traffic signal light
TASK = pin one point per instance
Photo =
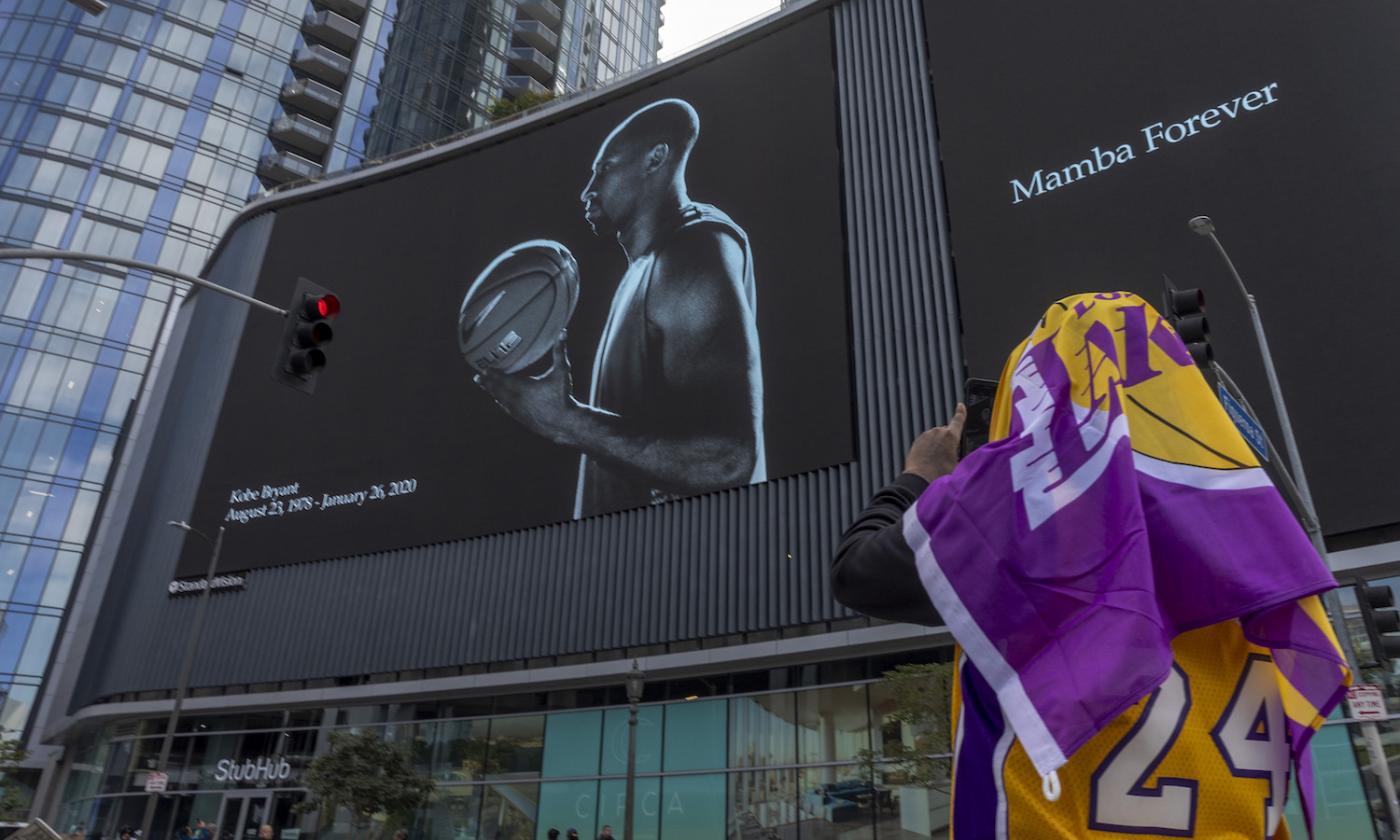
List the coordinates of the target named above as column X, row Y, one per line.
column 307, row 331
column 321, row 306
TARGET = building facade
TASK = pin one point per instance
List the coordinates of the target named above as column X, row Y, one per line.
column 725, row 755
column 498, row 660
column 139, row 133
column 133, row 134
column 445, row 63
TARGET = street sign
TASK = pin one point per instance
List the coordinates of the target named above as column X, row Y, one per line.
column 1367, row 702
column 1250, row 429
column 156, row 782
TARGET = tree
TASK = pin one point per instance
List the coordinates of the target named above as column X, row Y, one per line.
column 921, row 695
column 14, row 801
column 367, row 775
column 500, row 109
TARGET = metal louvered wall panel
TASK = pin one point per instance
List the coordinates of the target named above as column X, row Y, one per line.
column 742, row 560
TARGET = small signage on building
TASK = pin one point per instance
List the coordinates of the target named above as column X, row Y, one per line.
column 156, row 782
column 221, row 583
column 1367, row 702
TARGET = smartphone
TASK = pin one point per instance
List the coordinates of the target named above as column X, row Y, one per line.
column 978, row 395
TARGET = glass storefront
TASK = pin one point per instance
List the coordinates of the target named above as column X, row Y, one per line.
column 760, row 766
column 717, row 759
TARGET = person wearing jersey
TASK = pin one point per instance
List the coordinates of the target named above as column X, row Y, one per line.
column 675, row 405
column 1161, row 769
column 1142, row 649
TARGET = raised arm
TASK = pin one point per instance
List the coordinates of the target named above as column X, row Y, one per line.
column 874, row 572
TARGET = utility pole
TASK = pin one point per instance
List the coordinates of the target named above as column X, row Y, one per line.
column 191, row 646
column 1203, row 226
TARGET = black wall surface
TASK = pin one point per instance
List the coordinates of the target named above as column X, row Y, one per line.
column 1303, row 191
column 396, row 408
column 742, row 560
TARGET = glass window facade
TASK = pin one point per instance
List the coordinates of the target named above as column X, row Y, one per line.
column 770, row 764
column 417, row 84
column 140, row 133
column 121, row 134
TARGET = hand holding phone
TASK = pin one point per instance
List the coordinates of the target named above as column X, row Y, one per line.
column 978, row 396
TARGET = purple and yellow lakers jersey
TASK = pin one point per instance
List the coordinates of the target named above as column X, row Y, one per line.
column 1137, row 607
column 1205, row 755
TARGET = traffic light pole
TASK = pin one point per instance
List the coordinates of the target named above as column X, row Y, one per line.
column 1203, row 226
column 83, row 256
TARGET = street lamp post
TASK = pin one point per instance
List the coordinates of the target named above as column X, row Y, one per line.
column 635, row 678
column 191, row 646
column 1203, row 226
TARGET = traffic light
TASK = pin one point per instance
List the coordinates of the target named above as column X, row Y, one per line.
column 1186, row 309
column 1382, row 621
column 302, row 354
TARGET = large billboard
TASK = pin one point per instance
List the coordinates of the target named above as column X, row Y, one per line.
column 1077, row 142
column 674, row 256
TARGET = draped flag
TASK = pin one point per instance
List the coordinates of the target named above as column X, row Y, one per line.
column 1116, row 509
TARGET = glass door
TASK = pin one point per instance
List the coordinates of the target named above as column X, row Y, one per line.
column 286, row 823
column 243, row 813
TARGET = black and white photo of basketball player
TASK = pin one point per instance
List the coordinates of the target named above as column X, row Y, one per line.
column 675, row 406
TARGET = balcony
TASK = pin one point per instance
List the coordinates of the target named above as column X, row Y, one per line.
column 351, row 9
column 322, row 62
column 336, row 30
column 281, row 167
column 532, row 61
column 303, row 132
column 544, row 11
column 516, row 85
column 537, row 35
column 312, row 97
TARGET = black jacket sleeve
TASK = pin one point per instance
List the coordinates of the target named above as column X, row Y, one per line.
column 874, row 571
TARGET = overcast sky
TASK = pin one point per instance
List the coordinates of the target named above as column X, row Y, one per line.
column 689, row 22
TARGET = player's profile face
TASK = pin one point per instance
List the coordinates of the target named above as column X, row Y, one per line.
column 613, row 188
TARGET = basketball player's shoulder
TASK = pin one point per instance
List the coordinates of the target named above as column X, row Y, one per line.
column 704, row 238
column 698, row 249
column 695, row 281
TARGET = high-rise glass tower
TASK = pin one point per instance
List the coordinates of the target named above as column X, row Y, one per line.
column 139, row 133
column 135, row 134
column 444, row 63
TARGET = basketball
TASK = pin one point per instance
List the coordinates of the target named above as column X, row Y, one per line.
column 514, row 311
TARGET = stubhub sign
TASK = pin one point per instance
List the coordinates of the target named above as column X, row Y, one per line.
column 250, row 771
